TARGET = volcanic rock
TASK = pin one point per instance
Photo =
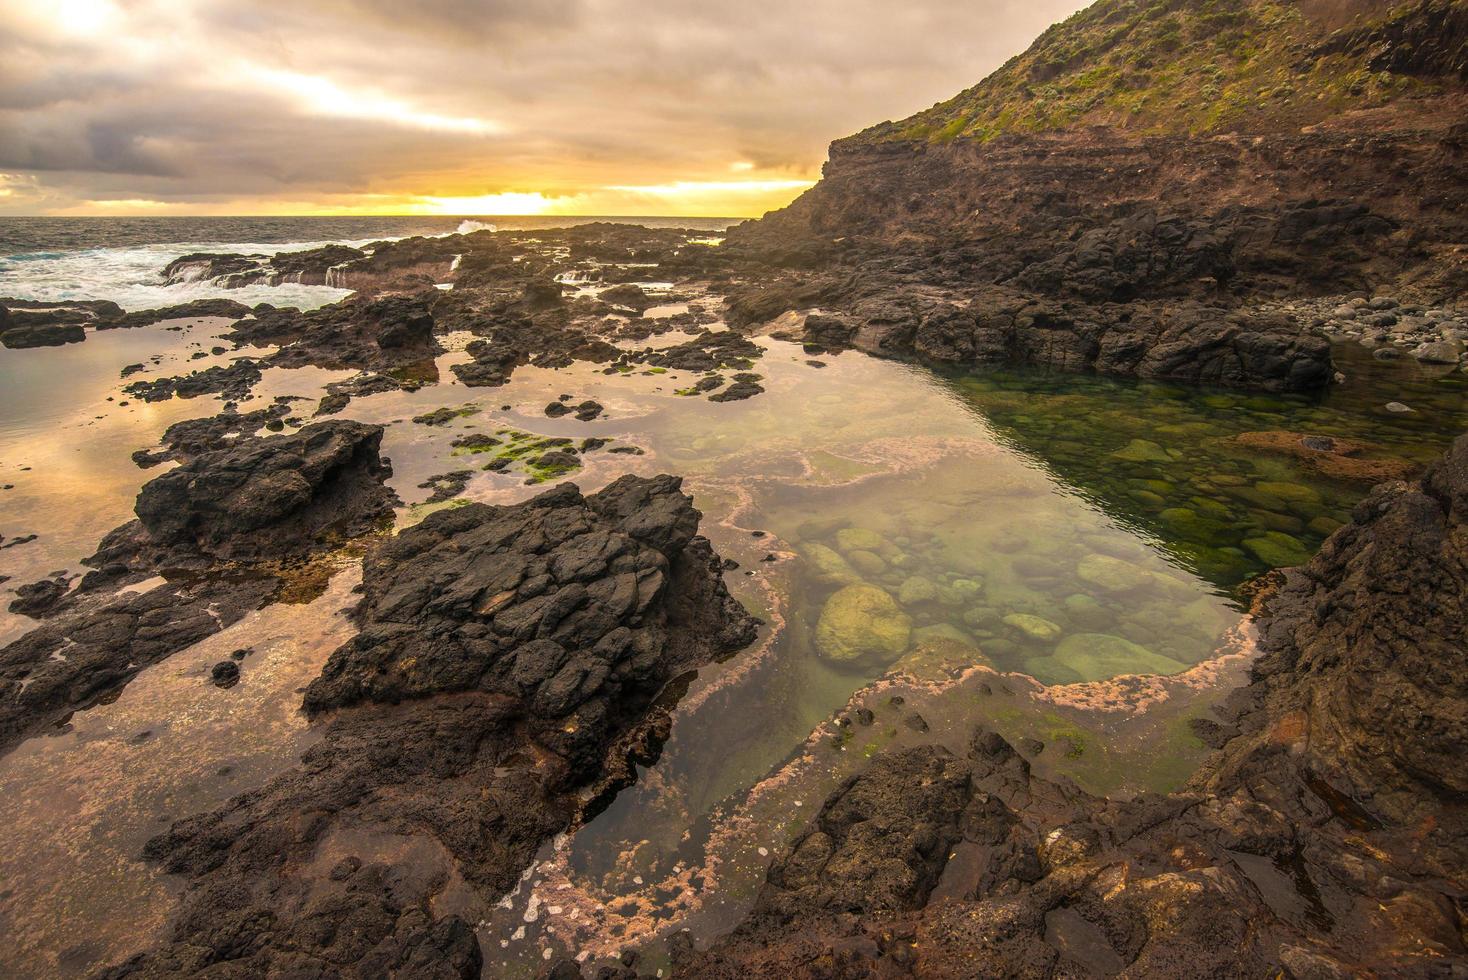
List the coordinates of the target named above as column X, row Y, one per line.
column 507, row 663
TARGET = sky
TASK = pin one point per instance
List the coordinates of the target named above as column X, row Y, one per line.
column 466, row 107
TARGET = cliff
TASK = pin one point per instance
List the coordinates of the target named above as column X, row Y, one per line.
column 1113, row 179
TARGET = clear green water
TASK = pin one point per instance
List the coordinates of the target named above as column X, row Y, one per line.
column 1159, row 458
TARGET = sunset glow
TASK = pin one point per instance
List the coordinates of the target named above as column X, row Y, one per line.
column 356, row 107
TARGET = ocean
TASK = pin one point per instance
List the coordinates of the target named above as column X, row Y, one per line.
column 121, row 259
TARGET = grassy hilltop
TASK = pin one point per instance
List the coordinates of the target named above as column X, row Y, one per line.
column 1204, row 66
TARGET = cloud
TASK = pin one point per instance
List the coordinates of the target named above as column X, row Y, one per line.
column 387, row 102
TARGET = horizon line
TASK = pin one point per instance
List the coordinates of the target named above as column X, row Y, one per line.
column 499, row 217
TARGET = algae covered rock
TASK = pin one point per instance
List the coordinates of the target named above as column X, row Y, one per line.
column 1143, row 451
column 1099, row 656
column 940, row 633
column 916, row 590
column 1112, row 574
column 862, row 621
column 1277, row 549
column 1295, row 493
column 850, row 539
column 1033, row 626
column 828, row 566
column 866, row 562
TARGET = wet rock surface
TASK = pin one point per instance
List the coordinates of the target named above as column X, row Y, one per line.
column 1323, row 838
column 261, row 498
column 42, row 335
column 367, row 334
column 507, row 668
column 226, row 526
column 233, row 382
column 87, row 652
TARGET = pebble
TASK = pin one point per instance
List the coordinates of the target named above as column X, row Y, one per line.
column 1398, row 407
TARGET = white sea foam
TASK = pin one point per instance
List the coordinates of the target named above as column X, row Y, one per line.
column 132, row 276
column 469, row 225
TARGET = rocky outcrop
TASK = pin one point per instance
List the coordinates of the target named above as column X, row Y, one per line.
column 1074, row 211
column 233, row 381
column 87, row 654
column 226, row 525
column 258, row 499
column 311, row 267
column 42, row 335
column 192, row 310
column 1325, row 837
column 34, row 323
column 366, row 334
column 509, row 660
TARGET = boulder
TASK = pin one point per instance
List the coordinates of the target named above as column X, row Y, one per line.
column 862, row 622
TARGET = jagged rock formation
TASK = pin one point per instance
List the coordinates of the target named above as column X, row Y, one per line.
column 232, row 520
column 311, row 267
column 1115, row 198
column 508, row 662
column 1325, row 838
column 363, row 333
column 258, row 499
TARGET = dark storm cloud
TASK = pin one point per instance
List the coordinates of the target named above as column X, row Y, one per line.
column 194, row 100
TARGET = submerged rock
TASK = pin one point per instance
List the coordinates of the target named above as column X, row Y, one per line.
column 1330, row 456
column 827, row 566
column 861, row 622
column 1034, row 626
column 1099, row 656
column 1111, row 574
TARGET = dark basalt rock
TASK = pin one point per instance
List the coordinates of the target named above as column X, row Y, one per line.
column 34, row 311
column 30, row 323
column 225, row 674
column 709, row 351
column 446, row 486
column 544, row 341
column 233, row 382
column 191, row 437
column 233, row 271
column 42, row 335
column 508, row 661
column 208, row 266
column 89, row 652
column 1323, row 838
column 39, row 598
column 193, row 310
column 896, row 313
column 628, row 295
column 229, row 517
column 363, row 333
column 258, row 499
column 585, row 412
column 744, row 386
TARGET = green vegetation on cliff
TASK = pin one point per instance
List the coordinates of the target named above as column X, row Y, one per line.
column 1198, row 66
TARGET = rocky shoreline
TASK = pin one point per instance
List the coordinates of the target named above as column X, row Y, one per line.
column 510, row 663
column 514, row 665
column 1324, row 838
